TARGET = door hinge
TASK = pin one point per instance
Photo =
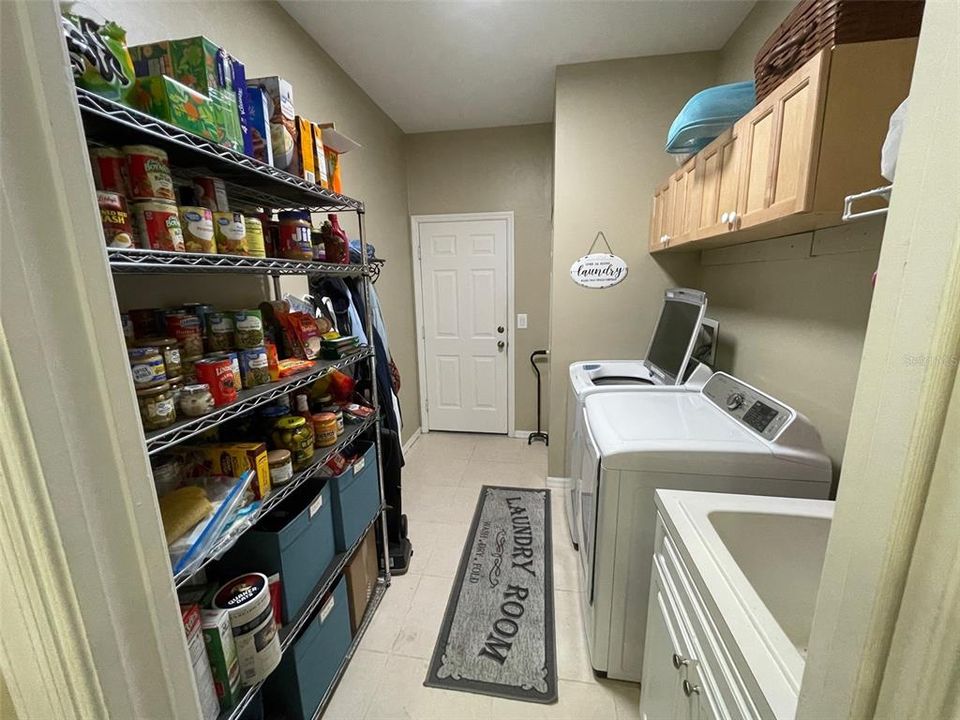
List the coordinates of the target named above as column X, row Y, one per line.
column 419, row 252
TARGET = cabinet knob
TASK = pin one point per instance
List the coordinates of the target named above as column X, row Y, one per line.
column 665, row 239
column 725, row 217
column 690, row 689
column 732, row 220
column 679, row 662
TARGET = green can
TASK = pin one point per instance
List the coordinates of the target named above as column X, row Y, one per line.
column 248, row 328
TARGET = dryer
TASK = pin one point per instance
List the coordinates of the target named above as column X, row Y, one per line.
column 675, row 339
column 728, row 437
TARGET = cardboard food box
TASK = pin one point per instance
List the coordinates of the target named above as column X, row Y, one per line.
column 362, row 573
column 165, row 98
column 259, row 102
column 243, row 103
column 305, row 155
column 222, row 654
column 210, row 707
column 335, row 144
column 283, row 121
column 230, row 459
column 197, row 62
column 319, row 159
column 232, row 131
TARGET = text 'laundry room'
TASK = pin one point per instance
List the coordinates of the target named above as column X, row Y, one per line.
column 451, row 359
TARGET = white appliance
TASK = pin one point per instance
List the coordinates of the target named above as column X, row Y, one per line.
column 729, row 437
column 668, row 357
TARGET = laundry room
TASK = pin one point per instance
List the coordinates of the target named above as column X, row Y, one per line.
column 464, row 358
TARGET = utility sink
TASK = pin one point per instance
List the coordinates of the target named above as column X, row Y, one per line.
column 756, row 562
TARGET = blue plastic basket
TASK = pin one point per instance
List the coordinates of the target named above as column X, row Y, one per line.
column 707, row 114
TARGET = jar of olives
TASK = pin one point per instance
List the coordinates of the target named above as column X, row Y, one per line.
column 294, row 434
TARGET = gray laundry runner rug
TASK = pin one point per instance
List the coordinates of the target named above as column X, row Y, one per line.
column 498, row 636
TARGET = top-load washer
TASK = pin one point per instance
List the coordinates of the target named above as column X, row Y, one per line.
column 729, row 437
column 675, row 339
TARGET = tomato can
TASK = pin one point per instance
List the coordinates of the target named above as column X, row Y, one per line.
column 110, row 170
column 115, row 219
column 185, row 328
column 230, row 232
column 255, row 243
column 218, row 374
column 197, row 226
column 158, row 224
column 234, row 363
column 211, row 193
column 148, row 172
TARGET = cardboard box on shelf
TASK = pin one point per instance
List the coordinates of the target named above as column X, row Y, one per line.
column 232, row 132
column 305, row 156
column 260, row 105
column 165, row 98
column 319, row 159
column 283, row 121
column 222, row 654
column 230, row 459
column 197, row 62
column 335, row 144
column 362, row 573
column 209, row 706
column 243, row 103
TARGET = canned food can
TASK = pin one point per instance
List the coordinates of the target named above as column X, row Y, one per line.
column 247, row 602
column 255, row 244
column 230, row 232
column 158, row 225
column 148, row 171
column 115, row 219
column 110, row 170
column 254, row 369
column 211, row 193
column 234, row 363
column 186, row 329
column 144, row 321
column 197, row 226
column 248, row 326
column 220, row 332
column 218, row 374
column 127, row 324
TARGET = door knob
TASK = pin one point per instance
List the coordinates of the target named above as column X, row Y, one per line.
column 690, row 689
column 679, row 662
column 499, row 328
column 501, row 345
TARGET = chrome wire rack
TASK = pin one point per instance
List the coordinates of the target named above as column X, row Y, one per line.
column 133, row 260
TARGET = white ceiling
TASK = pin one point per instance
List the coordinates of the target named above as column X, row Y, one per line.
column 456, row 64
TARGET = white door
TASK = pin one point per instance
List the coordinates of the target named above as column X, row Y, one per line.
column 463, row 270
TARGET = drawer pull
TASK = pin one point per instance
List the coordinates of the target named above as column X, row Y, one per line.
column 690, row 689
column 679, row 662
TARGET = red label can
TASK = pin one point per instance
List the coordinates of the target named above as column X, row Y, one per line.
column 110, row 170
column 187, row 331
column 148, row 172
column 218, row 374
column 115, row 218
column 158, row 224
column 211, row 193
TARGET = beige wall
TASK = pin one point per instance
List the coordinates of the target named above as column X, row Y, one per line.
column 269, row 42
column 508, row 168
column 611, row 121
column 736, row 59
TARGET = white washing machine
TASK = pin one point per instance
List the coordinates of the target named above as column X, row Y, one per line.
column 729, row 437
column 674, row 340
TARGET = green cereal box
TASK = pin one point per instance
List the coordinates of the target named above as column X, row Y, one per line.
column 165, row 98
column 222, row 654
column 196, row 62
column 226, row 100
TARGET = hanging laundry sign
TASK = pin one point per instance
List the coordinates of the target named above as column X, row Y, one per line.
column 599, row 270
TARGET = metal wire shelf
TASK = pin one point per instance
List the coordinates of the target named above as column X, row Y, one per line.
column 159, row 440
column 134, row 260
column 249, row 181
column 272, row 500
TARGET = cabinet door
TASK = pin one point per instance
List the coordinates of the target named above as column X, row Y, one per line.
column 661, row 693
column 686, row 203
column 718, row 171
column 780, row 140
column 663, row 217
column 656, row 222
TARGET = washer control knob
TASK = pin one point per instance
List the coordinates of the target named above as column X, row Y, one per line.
column 734, row 401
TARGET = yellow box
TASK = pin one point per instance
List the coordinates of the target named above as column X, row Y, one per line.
column 230, row 459
column 305, row 159
column 319, row 159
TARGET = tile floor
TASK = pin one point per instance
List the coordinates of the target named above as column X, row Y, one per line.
column 441, row 483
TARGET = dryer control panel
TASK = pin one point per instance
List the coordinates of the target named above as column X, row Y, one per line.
column 753, row 409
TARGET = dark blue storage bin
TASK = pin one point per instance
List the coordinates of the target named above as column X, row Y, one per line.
column 306, row 670
column 295, row 539
column 356, row 497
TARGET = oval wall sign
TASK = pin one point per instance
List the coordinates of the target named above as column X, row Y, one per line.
column 599, row 270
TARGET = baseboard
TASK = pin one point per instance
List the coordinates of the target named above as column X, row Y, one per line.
column 558, row 482
column 411, row 442
column 522, row 434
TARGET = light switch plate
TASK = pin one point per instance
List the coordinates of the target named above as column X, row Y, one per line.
column 521, row 321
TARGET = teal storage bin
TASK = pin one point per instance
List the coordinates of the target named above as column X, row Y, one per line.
column 295, row 539
column 306, row 670
column 356, row 497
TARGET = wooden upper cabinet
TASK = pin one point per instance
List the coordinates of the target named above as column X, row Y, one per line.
column 662, row 217
column 786, row 166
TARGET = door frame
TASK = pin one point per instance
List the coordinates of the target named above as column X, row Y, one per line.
column 415, row 221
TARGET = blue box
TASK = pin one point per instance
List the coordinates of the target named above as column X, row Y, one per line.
column 260, row 107
column 295, row 539
column 243, row 104
column 356, row 497
column 306, row 670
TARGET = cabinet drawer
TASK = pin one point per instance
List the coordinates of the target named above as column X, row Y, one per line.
column 724, row 691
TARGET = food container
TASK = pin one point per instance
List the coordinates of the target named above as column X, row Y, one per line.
column 268, row 418
column 196, row 400
column 211, row 193
column 196, row 223
column 189, row 367
column 158, row 225
column 110, row 170
column 255, row 244
column 319, row 250
column 234, row 363
column 294, row 434
column 337, row 413
column 176, row 387
column 230, row 233
column 157, row 409
column 281, row 466
column 325, row 429
column 186, row 329
column 146, row 366
column 168, row 348
column 148, row 171
column 200, row 311
column 295, row 235
column 273, row 360
column 145, row 321
column 220, row 332
column 217, row 374
column 193, row 111
column 248, row 326
column 115, row 219
column 166, row 475
column 127, row 324
column 254, row 369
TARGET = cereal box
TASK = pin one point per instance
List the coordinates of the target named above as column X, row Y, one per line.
column 305, row 156
column 283, row 121
column 165, row 98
